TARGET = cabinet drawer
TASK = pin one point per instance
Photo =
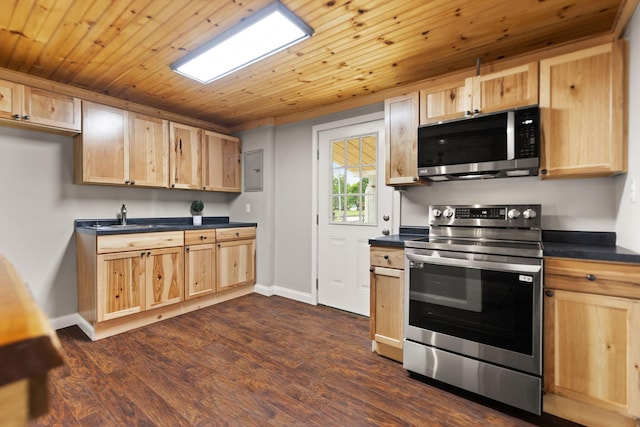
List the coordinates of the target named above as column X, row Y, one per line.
column 240, row 233
column 196, row 237
column 136, row 241
column 387, row 257
column 597, row 277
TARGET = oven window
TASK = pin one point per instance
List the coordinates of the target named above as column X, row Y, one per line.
column 489, row 307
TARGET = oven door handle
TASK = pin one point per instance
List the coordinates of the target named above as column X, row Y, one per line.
column 480, row 265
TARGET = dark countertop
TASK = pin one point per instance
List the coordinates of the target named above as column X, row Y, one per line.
column 149, row 225
column 397, row 240
column 597, row 246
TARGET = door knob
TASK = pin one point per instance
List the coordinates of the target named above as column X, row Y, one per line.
column 385, row 217
column 385, row 232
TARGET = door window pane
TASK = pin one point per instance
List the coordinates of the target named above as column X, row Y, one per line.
column 354, row 194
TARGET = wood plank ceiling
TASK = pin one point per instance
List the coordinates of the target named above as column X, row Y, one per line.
column 123, row 48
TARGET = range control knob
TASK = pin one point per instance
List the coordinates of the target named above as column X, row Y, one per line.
column 448, row 213
column 513, row 213
column 529, row 214
column 436, row 213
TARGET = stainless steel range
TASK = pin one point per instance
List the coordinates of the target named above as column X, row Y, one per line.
column 473, row 302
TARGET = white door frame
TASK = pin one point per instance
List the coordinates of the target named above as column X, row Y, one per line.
column 314, row 192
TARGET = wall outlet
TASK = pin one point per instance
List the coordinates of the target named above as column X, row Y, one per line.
column 247, row 208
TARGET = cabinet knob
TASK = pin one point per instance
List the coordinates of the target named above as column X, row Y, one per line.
column 187, row 249
column 386, row 257
column 173, row 186
column 372, row 269
column 237, row 234
column 544, row 171
column 142, row 254
column 148, row 253
column 415, row 179
column 26, row 118
column 133, row 182
column 17, row 116
column 548, row 293
column 476, row 111
column 126, row 181
column 467, row 113
column 591, row 277
column 204, row 188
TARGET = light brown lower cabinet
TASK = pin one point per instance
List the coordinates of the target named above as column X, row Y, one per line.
column 387, row 301
column 236, row 254
column 592, row 341
column 199, row 263
column 130, row 280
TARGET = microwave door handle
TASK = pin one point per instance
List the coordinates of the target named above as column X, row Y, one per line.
column 478, row 265
column 511, row 135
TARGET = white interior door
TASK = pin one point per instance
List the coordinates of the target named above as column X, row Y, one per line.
column 354, row 205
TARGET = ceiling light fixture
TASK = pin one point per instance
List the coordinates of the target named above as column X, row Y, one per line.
column 264, row 33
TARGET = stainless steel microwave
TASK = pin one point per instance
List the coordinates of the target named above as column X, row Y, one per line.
column 495, row 145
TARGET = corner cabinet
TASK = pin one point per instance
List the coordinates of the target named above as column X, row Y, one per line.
column 592, row 346
column 583, row 113
column 401, row 129
column 27, row 106
column 386, row 328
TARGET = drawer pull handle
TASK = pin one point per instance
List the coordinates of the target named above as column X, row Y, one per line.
column 386, row 257
column 591, row 277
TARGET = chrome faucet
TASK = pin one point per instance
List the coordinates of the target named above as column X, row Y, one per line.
column 123, row 215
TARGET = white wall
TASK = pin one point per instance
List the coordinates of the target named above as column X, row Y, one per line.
column 40, row 203
column 628, row 218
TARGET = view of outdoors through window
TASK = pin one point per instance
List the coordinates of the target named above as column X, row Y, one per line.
column 353, row 198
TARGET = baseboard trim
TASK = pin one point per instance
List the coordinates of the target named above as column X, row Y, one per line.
column 75, row 318
column 65, row 321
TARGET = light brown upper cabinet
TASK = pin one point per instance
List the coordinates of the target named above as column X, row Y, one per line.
column 101, row 152
column 148, row 151
column 221, row 162
column 401, row 128
column 28, row 106
column 445, row 98
column 119, row 147
column 461, row 95
column 184, row 157
column 583, row 116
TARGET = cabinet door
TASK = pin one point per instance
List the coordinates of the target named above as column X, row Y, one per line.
column 51, row 109
column 148, row 151
column 583, row 113
column 102, row 150
column 401, row 128
column 164, row 277
column 515, row 87
column 200, row 270
column 10, row 100
column 235, row 262
column 445, row 99
column 184, row 159
column 592, row 349
column 387, row 308
column 221, row 162
column 120, row 284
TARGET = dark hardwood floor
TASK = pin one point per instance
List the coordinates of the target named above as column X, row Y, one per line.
column 253, row 361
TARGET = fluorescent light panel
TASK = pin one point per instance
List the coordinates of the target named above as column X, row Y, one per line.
column 268, row 31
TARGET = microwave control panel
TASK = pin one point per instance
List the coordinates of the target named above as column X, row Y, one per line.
column 526, row 128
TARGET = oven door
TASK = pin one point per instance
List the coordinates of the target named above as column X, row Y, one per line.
column 483, row 306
